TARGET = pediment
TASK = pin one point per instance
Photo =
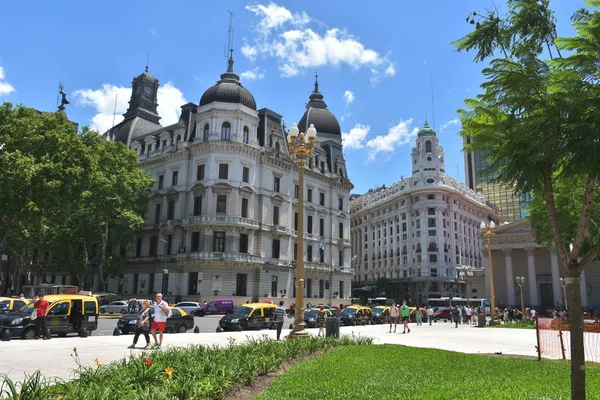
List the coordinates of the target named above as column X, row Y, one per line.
column 198, row 186
column 277, row 196
column 247, row 188
column 522, row 227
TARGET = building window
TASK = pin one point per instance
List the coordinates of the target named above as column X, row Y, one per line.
column 246, row 174
column 404, row 227
column 322, row 199
column 296, row 191
column 200, row 172
column 153, row 245
column 138, row 247
column 431, row 196
column 195, row 241
column 169, row 243
column 431, row 211
column 428, row 146
column 161, row 181
column 205, row 137
column 223, row 171
column 309, row 196
column 157, row 214
column 221, row 204
column 341, row 230
column 171, row 209
column 431, row 222
column 226, row 131
column 275, row 248
column 198, row 205
column 309, row 253
column 321, row 227
column 432, row 232
column 174, row 178
column 276, row 183
column 433, row 259
column 295, row 221
column 219, row 242
column 244, row 208
column 341, row 203
column 341, row 258
column 246, row 135
column 321, row 253
column 275, row 215
column 309, row 224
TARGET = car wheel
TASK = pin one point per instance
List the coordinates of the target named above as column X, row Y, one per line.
column 239, row 328
column 353, row 323
column 201, row 313
column 123, row 311
column 28, row 334
column 62, row 335
column 102, row 311
column 89, row 332
column 124, row 331
column 181, row 329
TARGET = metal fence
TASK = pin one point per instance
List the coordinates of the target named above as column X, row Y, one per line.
column 554, row 339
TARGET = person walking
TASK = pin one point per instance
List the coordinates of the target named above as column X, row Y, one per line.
column 279, row 316
column 429, row 314
column 469, row 311
column 41, row 308
column 143, row 325
column 456, row 316
column 321, row 321
column 419, row 316
column 161, row 313
column 405, row 312
column 394, row 313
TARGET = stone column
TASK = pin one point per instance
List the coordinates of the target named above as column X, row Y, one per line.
column 486, row 274
column 556, row 288
column 510, row 279
column 534, row 299
column 584, row 296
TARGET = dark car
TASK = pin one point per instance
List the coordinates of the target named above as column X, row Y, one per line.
column 249, row 316
column 219, row 306
column 310, row 317
column 179, row 322
column 380, row 314
column 360, row 315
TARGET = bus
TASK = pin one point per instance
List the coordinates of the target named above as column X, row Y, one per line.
column 31, row 291
column 442, row 302
column 379, row 301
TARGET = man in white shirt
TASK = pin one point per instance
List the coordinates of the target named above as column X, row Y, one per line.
column 429, row 314
column 161, row 313
column 468, row 311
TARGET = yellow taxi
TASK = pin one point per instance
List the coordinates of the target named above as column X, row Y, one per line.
column 380, row 314
column 249, row 316
column 310, row 316
column 8, row 304
column 355, row 315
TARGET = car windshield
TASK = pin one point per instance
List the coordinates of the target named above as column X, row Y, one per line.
column 28, row 308
column 310, row 313
column 4, row 304
column 348, row 310
column 378, row 309
column 243, row 311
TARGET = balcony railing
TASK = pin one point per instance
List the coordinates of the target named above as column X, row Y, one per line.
column 218, row 256
column 314, row 266
column 220, row 220
column 170, row 223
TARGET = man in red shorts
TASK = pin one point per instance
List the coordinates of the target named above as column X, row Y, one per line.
column 161, row 313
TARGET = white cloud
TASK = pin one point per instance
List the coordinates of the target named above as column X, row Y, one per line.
column 5, row 87
column 455, row 121
column 348, row 97
column 390, row 70
column 152, row 32
column 284, row 37
column 170, row 100
column 397, row 136
column 356, row 137
column 253, row 74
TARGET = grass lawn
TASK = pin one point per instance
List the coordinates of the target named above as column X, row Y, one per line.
column 398, row 372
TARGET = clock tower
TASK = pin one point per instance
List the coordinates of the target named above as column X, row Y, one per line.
column 143, row 102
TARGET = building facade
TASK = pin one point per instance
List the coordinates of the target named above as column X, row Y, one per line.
column 419, row 230
column 221, row 218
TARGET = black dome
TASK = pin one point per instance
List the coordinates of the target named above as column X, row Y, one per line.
column 227, row 91
column 318, row 115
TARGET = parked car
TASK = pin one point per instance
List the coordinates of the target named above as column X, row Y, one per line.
column 8, row 304
column 188, row 306
column 310, row 316
column 118, row 307
column 219, row 306
column 380, row 314
column 355, row 315
column 179, row 322
column 443, row 313
column 67, row 313
column 249, row 316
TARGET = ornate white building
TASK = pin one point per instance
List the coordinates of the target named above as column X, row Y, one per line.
column 220, row 220
column 418, row 231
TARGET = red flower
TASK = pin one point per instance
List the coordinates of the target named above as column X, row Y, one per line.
column 148, row 362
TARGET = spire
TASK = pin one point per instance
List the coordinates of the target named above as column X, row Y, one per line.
column 147, row 61
column 230, row 75
column 316, row 83
column 230, row 61
column 316, row 98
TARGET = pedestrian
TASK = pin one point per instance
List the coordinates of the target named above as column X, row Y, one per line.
column 394, row 312
column 511, row 314
column 419, row 316
column 463, row 314
column 131, row 305
column 279, row 316
column 456, row 316
column 505, row 316
column 429, row 314
column 40, row 307
column 161, row 313
column 21, row 297
column 533, row 312
column 143, row 325
column 405, row 312
column 468, row 312
column 321, row 321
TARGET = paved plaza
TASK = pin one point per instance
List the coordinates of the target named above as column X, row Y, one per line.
column 53, row 357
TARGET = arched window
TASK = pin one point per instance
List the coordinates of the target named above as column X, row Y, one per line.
column 226, row 131
column 418, row 247
column 432, row 246
column 277, row 147
column 246, row 135
column 271, row 141
column 205, row 136
column 428, row 146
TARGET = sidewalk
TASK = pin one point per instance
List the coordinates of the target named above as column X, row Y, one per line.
column 53, row 357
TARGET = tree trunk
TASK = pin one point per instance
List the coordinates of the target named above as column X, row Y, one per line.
column 102, row 258
column 576, row 322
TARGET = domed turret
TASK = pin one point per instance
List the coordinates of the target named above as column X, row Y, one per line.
column 318, row 115
column 426, row 130
column 229, row 90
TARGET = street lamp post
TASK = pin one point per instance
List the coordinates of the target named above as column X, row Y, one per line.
column 466, row 274
column 165, row 271
column 563, row 283
column 487, row 231
column 301, row 146
column 521, row 282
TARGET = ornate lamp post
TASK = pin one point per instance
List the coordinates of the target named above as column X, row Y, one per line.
column 165, row 271
column 521, row 282
column 466, row 274
column 563, row 283
column 487, row 231
column 301, row 146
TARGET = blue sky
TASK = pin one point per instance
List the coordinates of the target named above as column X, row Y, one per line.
column 375, row 64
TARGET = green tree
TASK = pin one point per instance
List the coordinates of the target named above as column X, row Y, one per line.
column 537, row 120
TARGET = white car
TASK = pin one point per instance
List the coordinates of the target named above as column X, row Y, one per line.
column 119, row 307
column 188, row 306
